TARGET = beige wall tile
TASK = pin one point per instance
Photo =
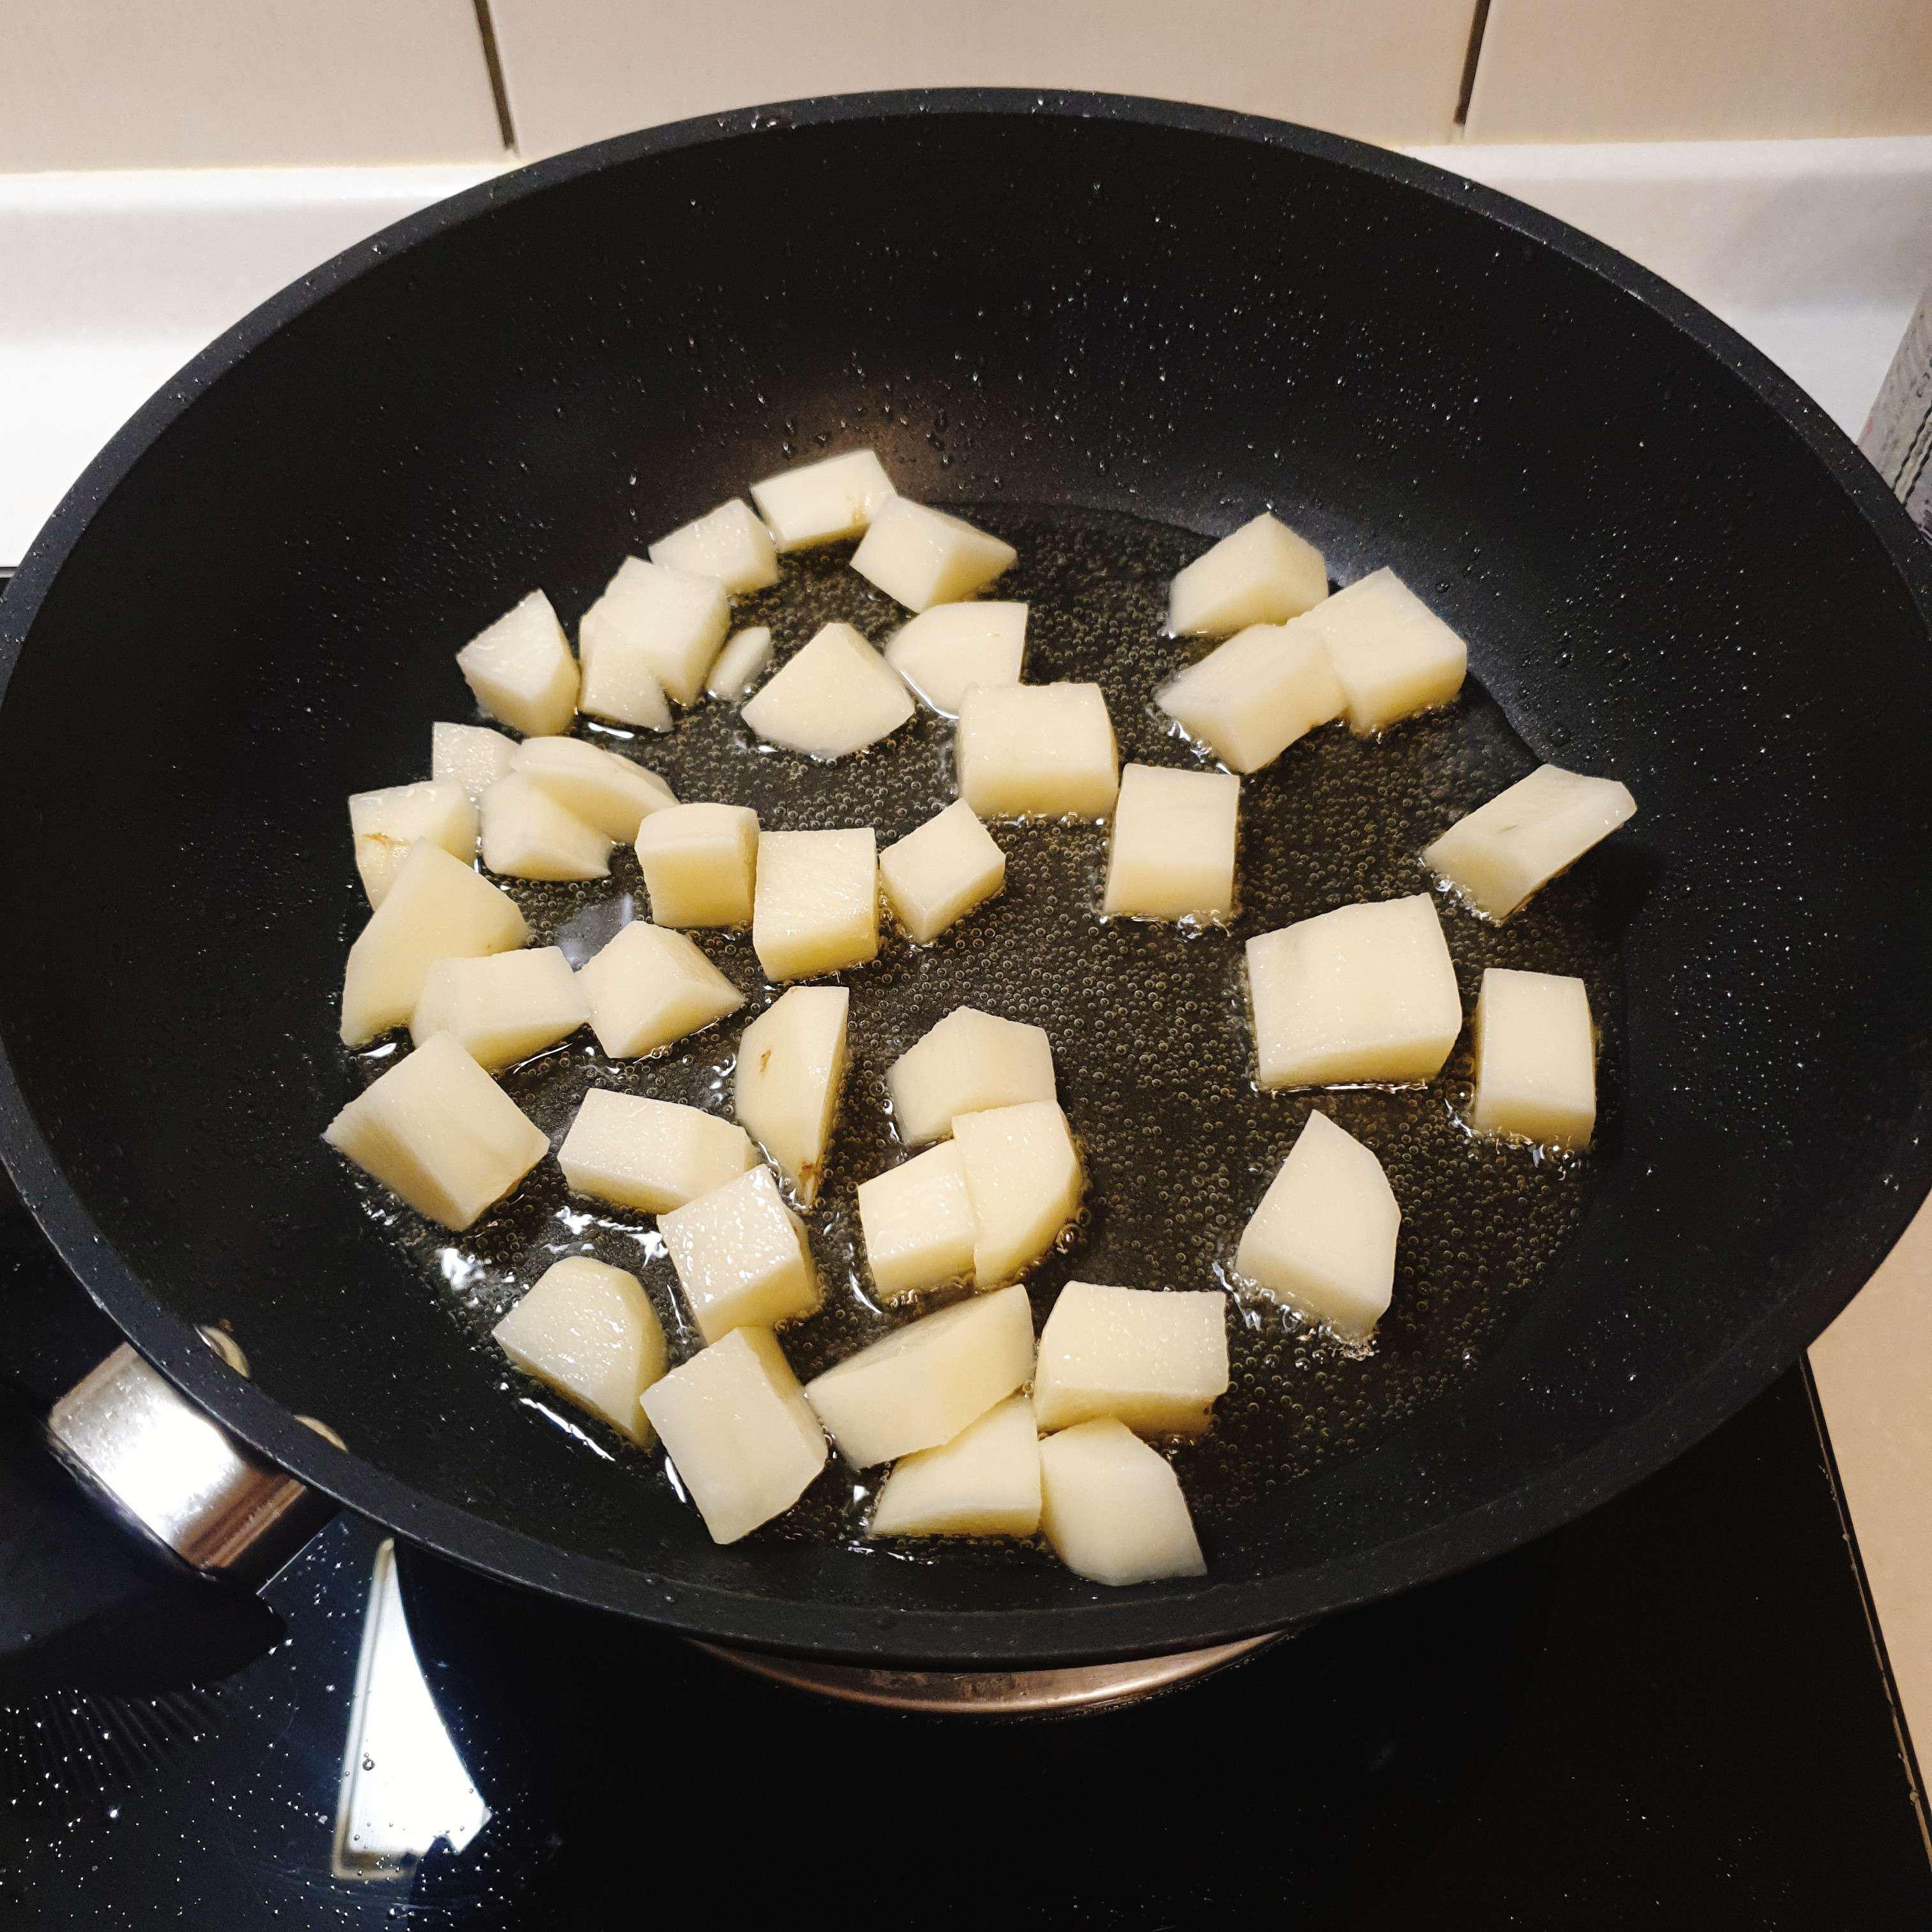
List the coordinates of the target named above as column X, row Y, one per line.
column 1693, row 70
column 194, row 83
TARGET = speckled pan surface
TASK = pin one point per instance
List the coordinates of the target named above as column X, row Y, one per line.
column 1119, row 321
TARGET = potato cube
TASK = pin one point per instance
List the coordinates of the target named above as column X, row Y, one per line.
column 1263, row 574
column 968, row 1063
column 521, row 670
column 943, row 650
column 589, row 1331
column 985, row 1482
column 475, row 756
column 1111, row 1507
column 1505, row 851
column 1324, row 1238
column 791, row 1065
column 437, row 907
column 437, row 1130
column 699, row 862
column 836, row 696
column 1248, row 700
column 648, row 987
column 1043, row 751
column 1365, row 992
column 1157, row 1360
column 738, row 1431
column 923, row 557
column 620, row 684
column 740, row 664
column 1394, row 657
column 922, row 1384
column 385, row 824
column 824, row 502
column 1536, row 1058
column 1171, row 855
column 503, row 1007
column 671, row 621
column 1024, row 1178
column 741, row 1256
column 728, row 543
column 603, row 788
column 936, row 875
column 815, row 908
column 917, row 1222
column 651, row 1155
column 528, row 834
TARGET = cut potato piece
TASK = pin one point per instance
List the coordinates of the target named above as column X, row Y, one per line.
column 922, row 1384
column 699, row 862
column 836, row 696
column 741, row 663
column 589, row 1331
column 943, row 650
column 1263, row 574
column 985, row 1482
column 528, row 834
column 923, row 557
column 1112, row 1508
column 815, row 908
column 824, row 502
column 1157, row 1360
column 1024, row 1178
column 1509, row 849
column 385, row 824
column 1366, row 992
column 1536, row 1058
column 968, row 1063
column 651, row 1155
column 791, row 1065
column 475, row 756
column 936, row 875
column 671, row 621
column 1394, row 657
column 1171, row 855
column 738, row 1431
column 917, row 1222
column 1248, row 700
column 1043, row 751
column 437, row 907
column 521, row 670
column 503, row 1007
column 741, row 1256
column 648, row 987
column 437, row 1130
column 602, row 788
column 727, row 543
column 619, row 686
column 1324, row 1238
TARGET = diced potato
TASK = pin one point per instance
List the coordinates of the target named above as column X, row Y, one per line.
column 385, row 824
column 791, row 1065
column 603, row 788
column 936, row 875
column 1248, row 700
column 1043, row 751
column 968, row 1063
column 741, row 1256
column 528, row 834
column 727, row 543
column 674, row 623
column 648, row 987
column 1171, row 855
column 1263, row 574
column 438, row 1131
column 1157, row 1360
column 1505, row 851
column 1394, row 657
column 1024, row 1178
column 824, row 502
column 699, row 863
column 503, row 1007
column 1536, row 1058
column 836, row 696
column 917, row 1222
column 475, row 756
column 521, row 670
column 943, row 650
column 437, row 907
column 985, row 1482
column 651, row 1155
column 740, row 664
column 589, row 1330
column 738, row 1431
column 1324, row 1238
column 922, row 1384
column 1365, row 992
column 815, row 908
column 1111, row 1507
column 923, row 557
column 620, row 684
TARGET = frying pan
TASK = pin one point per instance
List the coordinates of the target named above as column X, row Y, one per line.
column 1669, row 566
